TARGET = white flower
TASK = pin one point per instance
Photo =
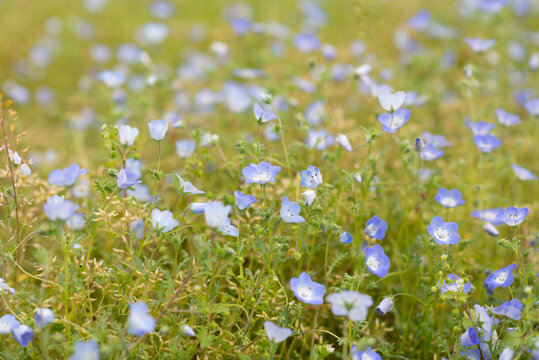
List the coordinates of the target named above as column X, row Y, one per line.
column 391, row 102
column 310, row 196
column 163, row 220
column 158, row 129
column 343, row 141
column 276, row 333
column 127, row 134
column 353, row 304
column 187, row 330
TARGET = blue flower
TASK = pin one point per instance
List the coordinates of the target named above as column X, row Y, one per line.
column 345, row 238
column 163, row 220
column 420, row 20
column 502, row 277
column 385, row 306
column 56, row 208
column 437, row 140
column 486, row 143
column 376, row 228
column 480, row 127
column 419, row 144
column 394, row 121
column 368, row 354
column 479, row 45
column 352, row 304
column 260, row 173
column 138, row 227
column 311, row 177
column 491, row 229
column 513, row 216
column 290, row 211
column 318, row 139
column 489, row 215
column 377, row 261
column 305, row 42
column 127, row 178
column 430, row 152
column 343, row 141
column 304, row 85
column 276, row 333
column 127, row 134
column 216, row 214
column 67, row 176
column 22, row 334
column 7, row 323
column 262, row 115
column 306, row 290
column 455, row 284
column 85, row 350
column 139, row 321
column 444, row 233
column 512, row 309
column 158, row 129
column 228, row 229
column 197, row 207
column 471, row 354
column 241, row 25
column 243, row 201
column 449, row 198
column 310, row 197
column 185, row 148
column 112, row 78
column 532, row 105
column 315, row 112
column 523, row 174
column 187, row 330
column 5, row 287
column 187, row 187
column 470, row 338
column 43, row 317
column 391, row 102
column 506, row 118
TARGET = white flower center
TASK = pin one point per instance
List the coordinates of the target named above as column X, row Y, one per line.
column 262, row 176
column 449, row 202
column 373, row 262
column 442, row 234
column 305, row 292
column 372, row 229
column 501, row 277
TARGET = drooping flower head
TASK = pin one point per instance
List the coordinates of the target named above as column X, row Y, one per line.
column 306, row 290
column 444, row 233
column 311, row 177
column 187, row 187
column 260, row 173
column 343, row 141
column 513, row 216
column 502, row 277
column 377, row 261
column 376, row 228
column 385, row 306
column 352, row 304
column 290, row 211
column 243, row 201
column 140, row 322
column 276, row 333
column 449, row 198
column 67, row 176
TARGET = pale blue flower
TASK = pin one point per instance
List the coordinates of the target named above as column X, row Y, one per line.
column 260, row 173
column 480, row 127
column 228, row 229
column 304, row 85
column 522, row 173
column 306, row 42
column 315, row 112
column 140, row 322
column 486, row 143
column 127, row 134
column 158, row 129
column 343, row 141
column 243, row 201
column 352, row 304
column 513, row 216
column 8, row 323
column 479, row 45
column 275, row 333
column 187, row 330
column 368, row 354
column 444, row 233
column 290, row 211
column 127, row 178
column 86, row 350
column 187, row 187
column 489, row 215
column 22, row 334
column 318, row 139
column 377, row 261
column 394, row 121
column 306, row 290
column 385, row 306
column 310, row 197
column 216, row 214
column 163, row 220
column 502, row 277
column 430, row 152
column 262, row 115
column 67, row 176
column 512, row 309
column 506, row 118
column 56, row 208
column 112, row 78
column 345, row 238
column 391, row 102
column 454, row 284
column 311, row 178
column 376, row 228
column 470, row 338
column 43, row 317
column 438, row 141
column 449, row 198
column 185, row 148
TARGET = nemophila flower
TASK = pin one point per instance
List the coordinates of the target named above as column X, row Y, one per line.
column 512, row 309
column 216, row 214
column 343, row 141
column 394, row 121
column 449, row 198
column 7, row 323
column 502, row 277
column 368, row 354
column 86, row 350
column 310, row 197
column 187, row 330
column 479, row 45
column 140, row 322
column 163, row 220
column 352, row 304
column 357, row 178
column 391, row 102
column 197, row 207
column 490, row 229
column 329, row 51
column 454, row 284
column 306, row 42
column 23, row 334
column 437, row 140
column 315, row 112
column 430, row 152
column 376, row 228
column 185, row 148
column 262, row 115
column 290, row 211
column 470, row 338
column 420, row 20
column 141, row 193
column 306, row 290
column 67, row 176
column 275, row 333
column 385, row 306
column 419, row 144
column 489, row 215
column 271, row 132
column 506, row 118
column 523, row 174
column 127, row 134
column 5, row 287
column 137, row 227
column 318, row 139
column 486, row 143
column 471, row 354
column 507, row 354
column 480, row 127
column 127, row 178
column 304, row 85
column 158, row 129
column 243, row 201
column 260, row 173
column 311, row 177
column 43, row 317
column 228, row 229
column 444, row 233
column 162, row 9
column 487, row 322
column 532, row 106
column 345, row 238
column 187, row 187
column 112, row 78
column 513, row 216
column 377, row 261
column 57, row 208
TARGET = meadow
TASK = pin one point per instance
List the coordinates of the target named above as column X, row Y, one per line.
column 347, row 179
